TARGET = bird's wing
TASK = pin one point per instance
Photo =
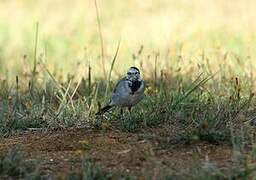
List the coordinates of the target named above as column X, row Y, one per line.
column 118, row 85
column 120, row 91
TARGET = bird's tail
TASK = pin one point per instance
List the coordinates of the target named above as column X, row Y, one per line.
column 103, row 110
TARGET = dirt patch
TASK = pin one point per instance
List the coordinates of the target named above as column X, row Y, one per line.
column 61, row 151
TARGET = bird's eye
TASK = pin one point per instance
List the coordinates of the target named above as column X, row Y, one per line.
column 129, row 73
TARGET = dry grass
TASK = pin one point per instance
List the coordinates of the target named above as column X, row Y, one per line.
column 68, row 34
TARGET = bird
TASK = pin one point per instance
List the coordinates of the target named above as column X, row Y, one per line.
column 127, row 92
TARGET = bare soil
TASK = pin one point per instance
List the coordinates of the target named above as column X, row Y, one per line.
column 60, row 151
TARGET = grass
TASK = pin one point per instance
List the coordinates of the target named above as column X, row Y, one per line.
column 92, row 171
column 14, row 164
column 198, row 66
column 243, row 168
column 194, row 106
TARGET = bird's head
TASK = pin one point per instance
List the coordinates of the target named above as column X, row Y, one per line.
column 133, row 74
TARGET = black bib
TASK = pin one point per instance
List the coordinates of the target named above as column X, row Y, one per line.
column 134, row 85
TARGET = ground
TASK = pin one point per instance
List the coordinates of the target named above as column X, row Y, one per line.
column 132, row 153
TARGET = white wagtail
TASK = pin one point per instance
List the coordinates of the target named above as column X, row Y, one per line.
column 127, row 92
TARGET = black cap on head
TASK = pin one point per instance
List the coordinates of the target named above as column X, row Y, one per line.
column 133, row 67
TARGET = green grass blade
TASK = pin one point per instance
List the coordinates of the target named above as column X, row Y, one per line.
column 112, row 67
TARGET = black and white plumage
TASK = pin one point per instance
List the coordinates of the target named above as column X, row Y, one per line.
column 127, row 92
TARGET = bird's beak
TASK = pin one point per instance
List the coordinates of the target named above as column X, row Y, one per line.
column 134, row 77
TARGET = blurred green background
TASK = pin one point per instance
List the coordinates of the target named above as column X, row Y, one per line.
column 195, row 31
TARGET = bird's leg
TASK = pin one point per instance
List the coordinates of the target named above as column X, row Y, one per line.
column 121, row 113
column 130, row 109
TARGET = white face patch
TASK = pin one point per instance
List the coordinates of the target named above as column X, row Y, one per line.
column 133, row 70
column 133, row 74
